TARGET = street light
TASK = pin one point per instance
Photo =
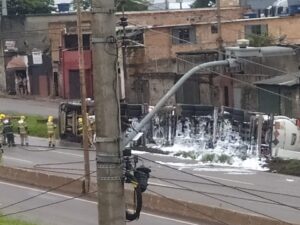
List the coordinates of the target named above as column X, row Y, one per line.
column 232, row 54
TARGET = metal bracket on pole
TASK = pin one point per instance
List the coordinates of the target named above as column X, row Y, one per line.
column 106, row 139
column 108, row 159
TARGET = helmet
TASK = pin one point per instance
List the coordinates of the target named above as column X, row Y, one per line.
column 50, row 118
column 79, row 120
column 22, row 118
column 2, row 116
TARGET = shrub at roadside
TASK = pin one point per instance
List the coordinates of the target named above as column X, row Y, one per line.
column 10, row 221
column 290, row 167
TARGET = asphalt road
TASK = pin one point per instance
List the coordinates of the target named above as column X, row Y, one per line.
column 200, row 190
column 43, row 108
column 70, row 163
column 72, row 211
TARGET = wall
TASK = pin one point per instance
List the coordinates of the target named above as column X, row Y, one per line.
column 70, row 61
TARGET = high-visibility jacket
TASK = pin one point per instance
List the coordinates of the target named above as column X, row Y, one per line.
column 22, row 127
column 80, row 128
column 50, row 127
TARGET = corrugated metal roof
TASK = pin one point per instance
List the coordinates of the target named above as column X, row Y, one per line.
column 284, row 80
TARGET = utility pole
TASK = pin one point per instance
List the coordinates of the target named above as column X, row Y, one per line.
column 4, row 8
column 83, row 101
column 111, row 202
column 167, row 4
column 219, row 39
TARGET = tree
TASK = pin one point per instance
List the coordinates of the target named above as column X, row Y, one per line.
column 261, row 40
column 22, row 7
column 129, row 5
column 203, row 3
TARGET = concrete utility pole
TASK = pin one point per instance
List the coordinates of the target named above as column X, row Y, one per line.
column 83, row 100
column 111, row 203
column 4, row 8
column 219, row 39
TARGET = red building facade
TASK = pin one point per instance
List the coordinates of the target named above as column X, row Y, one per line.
column 69, row 70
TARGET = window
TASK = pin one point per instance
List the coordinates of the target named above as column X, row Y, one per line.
column 71, row 41
column 183, row 35
column 294, row 138
column 214, row 29
column 259, row 29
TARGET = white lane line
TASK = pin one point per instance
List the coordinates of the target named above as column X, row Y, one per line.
column 17, row 159
column 219, row 178
column 161, row 185
column 91, row 202
column 65, row 153
column 171, row 219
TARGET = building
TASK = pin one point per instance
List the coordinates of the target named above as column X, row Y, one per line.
column 285, row 101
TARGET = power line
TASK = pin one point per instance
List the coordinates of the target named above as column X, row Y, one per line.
column 212, row 193
column 43, row 193
column 195, row 210
column 227, row 202
column 249, row 189
column 221, row 184
column 228, row 77
column 46, row 205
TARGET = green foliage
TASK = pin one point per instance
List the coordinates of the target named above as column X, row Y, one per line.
column 290, row 167
column 208, row 157
column 129, row 5
column 36, row 124
column 132, row 5
column 261, row 40
column 22, row 7
column 203, row 3
column 190, row 155
column 224, row 159
column 10, row 221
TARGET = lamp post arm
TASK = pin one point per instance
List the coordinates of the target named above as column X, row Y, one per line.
column 171, row 92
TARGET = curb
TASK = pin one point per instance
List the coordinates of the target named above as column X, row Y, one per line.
column 151, row 202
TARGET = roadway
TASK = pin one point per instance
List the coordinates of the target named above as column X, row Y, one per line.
column 67, row 162
column 75, row 211
column 285, row 188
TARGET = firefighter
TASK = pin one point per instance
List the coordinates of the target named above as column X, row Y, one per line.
column 2, row 136
column 8, row 132
column 2, row 116
column 80, row 129
column 51, row 131
column 23, row 131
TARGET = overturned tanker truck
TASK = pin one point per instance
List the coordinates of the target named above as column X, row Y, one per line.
column 201, row 125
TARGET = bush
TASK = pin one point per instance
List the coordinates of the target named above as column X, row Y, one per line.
column 9, row 221
column 208, row 157
column 290, row 167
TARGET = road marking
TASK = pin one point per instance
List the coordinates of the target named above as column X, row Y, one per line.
column 290, row 180
column 17, row 159
column 88, row 201
column 219, row 178
column 65, row 153
column 171, row 219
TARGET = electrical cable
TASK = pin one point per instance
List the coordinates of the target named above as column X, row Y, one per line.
column 190, row 208
column 47, row 149
column 230, row 203
column 46, row 205
column 43, row 193
column 249, row 189
column 213, row 193
column 62, row 163
column 221, row 184
column 228, row 77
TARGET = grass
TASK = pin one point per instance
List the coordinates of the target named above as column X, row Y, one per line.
column 36, row 124
column 10, row 221
column 289, row 167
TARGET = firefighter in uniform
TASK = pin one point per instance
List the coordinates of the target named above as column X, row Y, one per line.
column 2, row 136
column 2, row 139
column 23, row 131
column 8, row 132
column 80, row 129
column 51, row 131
